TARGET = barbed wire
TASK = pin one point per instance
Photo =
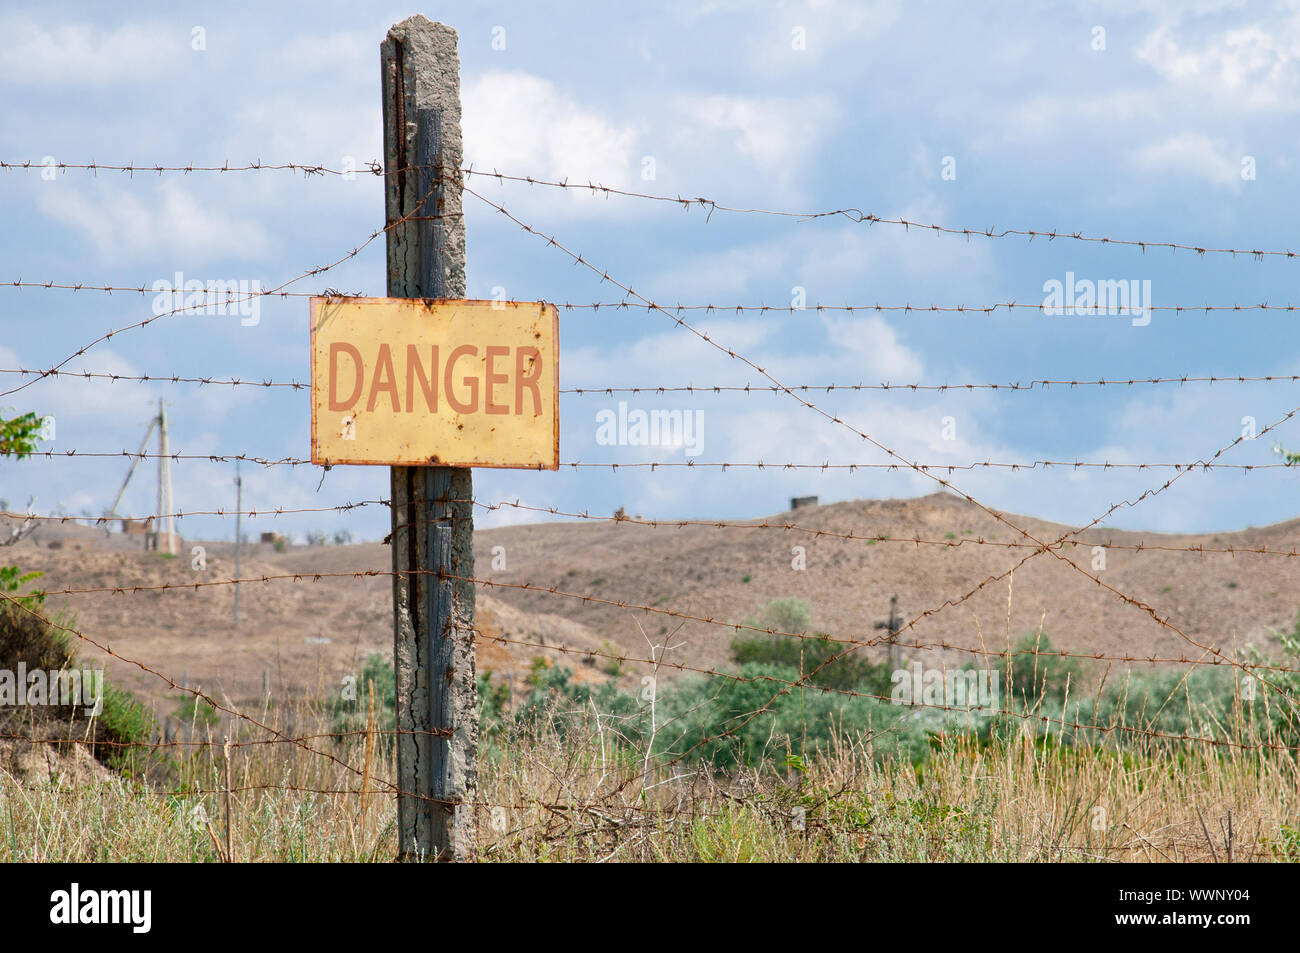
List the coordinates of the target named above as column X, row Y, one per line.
column 856, row 693
column 579, row 260
column 153, row 378
column 852, row 643
column 737, row 677
column 1124, row 597
column 1040, row 384
column 852, row 214
column 179, row 514
column 858, row 216
column 304, row 275
column 225, row 296
column 785, row 526
column 1042, row 547
column 949, row 467
column 721, row 465
column 1035, row 384
column 916, row 540
column 20, row 605
column 132, row 169
column 222, row 296
column 628, row 290
column 875, row 641
column 1137, row 604
column 222, row 742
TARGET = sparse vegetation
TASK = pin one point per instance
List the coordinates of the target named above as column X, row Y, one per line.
column 195, row 711
column 717, row 767
column 29, row 641
column 12, row 581
column 964, row 801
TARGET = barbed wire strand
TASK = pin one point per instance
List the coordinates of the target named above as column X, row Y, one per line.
column 316, row 576
column 1039, row 384
column 1200, row 549
column 304, row 275
column 212, row 295
column 852, row 214
column 721, row 465
column 197, row 693
column 628, row 290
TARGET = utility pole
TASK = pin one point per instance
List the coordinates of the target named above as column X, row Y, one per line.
column 432, row 509
column 164, row 536
column 239, row 540
column 893, row 624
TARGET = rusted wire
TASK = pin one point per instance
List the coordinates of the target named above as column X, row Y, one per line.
column 227, row 296
column 108, row 650
column 854, row 642
column 785, row 526
column 853, row 214
column 320, row 269
column 308, row 169
column 1039, row 384
column 853, row 693
column 926, row 468
column 578, row 259
column 153, row 378
column 868, row 218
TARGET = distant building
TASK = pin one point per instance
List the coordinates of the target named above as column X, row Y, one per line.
column 799, row 502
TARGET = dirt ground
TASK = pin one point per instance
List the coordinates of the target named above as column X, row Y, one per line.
column 304, row 635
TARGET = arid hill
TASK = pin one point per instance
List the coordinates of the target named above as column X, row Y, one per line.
column 305, row 634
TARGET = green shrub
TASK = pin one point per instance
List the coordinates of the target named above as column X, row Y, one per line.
column 12, row 580
column 195, row 711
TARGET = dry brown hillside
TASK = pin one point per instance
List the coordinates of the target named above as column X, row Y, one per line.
column 307, row 634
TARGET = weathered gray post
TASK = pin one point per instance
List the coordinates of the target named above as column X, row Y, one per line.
column 433, row 651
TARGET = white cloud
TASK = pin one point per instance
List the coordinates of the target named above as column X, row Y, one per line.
column 872, row 347
column 1196, row 155
column 779, row 135
column 1252, row 66
column 125, row 224
column 80, row 54
column 518, row 123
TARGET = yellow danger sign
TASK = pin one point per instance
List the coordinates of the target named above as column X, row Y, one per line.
column 414, row 381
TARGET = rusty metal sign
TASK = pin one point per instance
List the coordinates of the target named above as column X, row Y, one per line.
column 436, row 382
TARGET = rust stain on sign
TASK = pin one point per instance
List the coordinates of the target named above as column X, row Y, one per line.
column 437, row 382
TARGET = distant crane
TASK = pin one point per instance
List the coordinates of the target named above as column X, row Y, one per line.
column 163, row 541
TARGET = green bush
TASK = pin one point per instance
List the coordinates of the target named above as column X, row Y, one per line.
column 18, row 435
column 12, row 580
column 195, row 711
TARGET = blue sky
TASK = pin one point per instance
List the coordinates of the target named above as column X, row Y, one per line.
column 1144, row 139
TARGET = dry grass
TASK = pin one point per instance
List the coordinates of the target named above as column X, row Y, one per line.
column 544, row 796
